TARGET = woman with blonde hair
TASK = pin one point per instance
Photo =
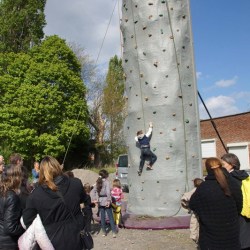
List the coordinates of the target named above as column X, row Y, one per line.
column 217, row 202
column 57, row 200
column 10, row 207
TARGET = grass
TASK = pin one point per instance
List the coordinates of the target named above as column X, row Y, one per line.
column 110, row 169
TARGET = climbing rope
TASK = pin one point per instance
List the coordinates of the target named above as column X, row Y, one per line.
column 139, row 68
column 181, row 92
column 180, row 86
column 74, row 130
column 106, row 32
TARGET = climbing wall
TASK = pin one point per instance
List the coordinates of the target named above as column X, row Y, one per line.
column 160, row 87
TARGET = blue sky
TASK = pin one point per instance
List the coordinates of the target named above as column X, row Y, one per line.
column 221, row 34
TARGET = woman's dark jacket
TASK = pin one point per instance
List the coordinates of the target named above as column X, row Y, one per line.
column 218, row 214
column 58, row 222
column 241, row 175
column 10, row 214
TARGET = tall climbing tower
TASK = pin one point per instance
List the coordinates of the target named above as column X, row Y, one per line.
column 160, row 87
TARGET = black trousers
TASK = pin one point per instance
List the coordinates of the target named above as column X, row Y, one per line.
column 146, row 153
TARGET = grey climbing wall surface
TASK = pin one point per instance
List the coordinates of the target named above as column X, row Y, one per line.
column 160, row 87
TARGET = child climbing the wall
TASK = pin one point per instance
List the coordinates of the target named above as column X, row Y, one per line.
column 194, row 222
column 117, row 196
column 146, row 153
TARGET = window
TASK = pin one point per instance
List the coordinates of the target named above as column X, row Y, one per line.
column 208, row 148
column 242, row 151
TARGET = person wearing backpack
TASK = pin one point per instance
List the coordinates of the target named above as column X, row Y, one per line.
column 232, row 164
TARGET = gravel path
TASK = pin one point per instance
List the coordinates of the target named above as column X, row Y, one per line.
column 131, row 239
column 128, row 239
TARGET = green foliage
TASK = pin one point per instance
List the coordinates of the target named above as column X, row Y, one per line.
column 42, row 95
column 22, row 23
column 114, row 105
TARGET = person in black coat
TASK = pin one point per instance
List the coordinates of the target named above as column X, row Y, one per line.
column 10, row 207
column 232, row 164
column 53, row 199
column 217, row 202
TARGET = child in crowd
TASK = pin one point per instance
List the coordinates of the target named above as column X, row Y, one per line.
column 117, row 196
column 102, row 196
column 194, row 221
column 88, row 205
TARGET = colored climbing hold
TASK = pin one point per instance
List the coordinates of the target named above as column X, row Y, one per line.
column 146, row 99
column 158, row 182
column 174, row 129
column 156, row 64
column 154, row 112
column 186, row 121
column 154, row 149
column 149, row 35
column 161, row 31
column 144, row 53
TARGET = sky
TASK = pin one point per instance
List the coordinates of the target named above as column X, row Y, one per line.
column 221, row 36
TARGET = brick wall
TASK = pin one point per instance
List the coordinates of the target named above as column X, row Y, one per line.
column 232, row 129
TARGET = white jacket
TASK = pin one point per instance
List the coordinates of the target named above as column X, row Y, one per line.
column 35, row 234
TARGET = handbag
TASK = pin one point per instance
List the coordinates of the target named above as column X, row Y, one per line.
column 85, row 237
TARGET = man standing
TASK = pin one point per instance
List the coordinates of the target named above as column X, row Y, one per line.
column 146, row 153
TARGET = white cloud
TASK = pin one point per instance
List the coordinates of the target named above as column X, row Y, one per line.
column 226, row 83
column 85, row 23
column 243, row 95
column 219, row 106
column 198, row 75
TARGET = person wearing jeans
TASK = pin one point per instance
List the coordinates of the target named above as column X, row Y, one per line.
column 102, row 196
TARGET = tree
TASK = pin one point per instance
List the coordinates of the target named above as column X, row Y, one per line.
column 42, row 100
column 94, row 81
column 22, row 23
column 114, row 104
